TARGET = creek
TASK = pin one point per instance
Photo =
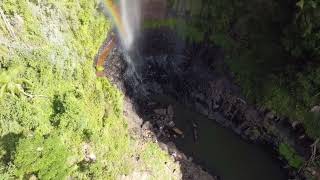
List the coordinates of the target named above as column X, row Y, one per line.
column 219, row 150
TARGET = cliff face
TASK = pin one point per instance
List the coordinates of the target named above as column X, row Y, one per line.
column 154, row 9
column 57, row 119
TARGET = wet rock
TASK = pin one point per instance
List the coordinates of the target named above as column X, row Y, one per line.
column 202, row 109
column 251, row 115
column 269, row 116
column 252, row 133
column 170, row 112
column 163, row 146
column 194, row 172
column 171, row 124
column 211, row 115
column 194, row 124
column 171, row 147
column 155, row 87
column 167, row 120
column 295, row 124
column 147, row 134
column 219, row 118
column 178, row 131
column 147, row 126
column 161, row 111
column 200, row 96
column 302, row 137
column 151, row 103
column 215, row 106
column 315, row 109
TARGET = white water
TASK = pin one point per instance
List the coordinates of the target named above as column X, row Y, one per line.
column 130, row 11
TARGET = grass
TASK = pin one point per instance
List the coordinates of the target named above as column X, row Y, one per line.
column 53, row 105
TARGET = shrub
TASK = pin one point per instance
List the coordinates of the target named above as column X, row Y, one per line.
column 45, row 157
column 291, row 156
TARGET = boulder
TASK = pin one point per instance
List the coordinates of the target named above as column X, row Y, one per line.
column 178, row 131
column 269, row 116
column 147, row 126
column 315, row 109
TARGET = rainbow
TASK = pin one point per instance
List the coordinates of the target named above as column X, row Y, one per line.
column 114, row 13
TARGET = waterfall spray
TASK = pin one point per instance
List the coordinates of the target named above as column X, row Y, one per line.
column 130, row 16
column 126, row 15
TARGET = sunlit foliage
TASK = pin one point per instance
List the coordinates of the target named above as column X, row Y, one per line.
column 57, row 119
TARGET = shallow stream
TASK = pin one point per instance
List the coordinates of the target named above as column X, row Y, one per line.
column 219, row 150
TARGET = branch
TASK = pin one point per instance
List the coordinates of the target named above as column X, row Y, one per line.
column 314, row 150
column 313, row 156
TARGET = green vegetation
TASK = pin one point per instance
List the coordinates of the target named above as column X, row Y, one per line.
column 291, row 156
column 272, row 47
column 47, row 157
column 303, row 35
column 185, row 31
column 57, row 119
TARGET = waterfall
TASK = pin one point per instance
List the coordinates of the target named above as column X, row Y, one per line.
column 130, row 11
column 126, row 16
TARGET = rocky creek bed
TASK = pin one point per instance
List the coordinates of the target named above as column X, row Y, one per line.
column 195, row 76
